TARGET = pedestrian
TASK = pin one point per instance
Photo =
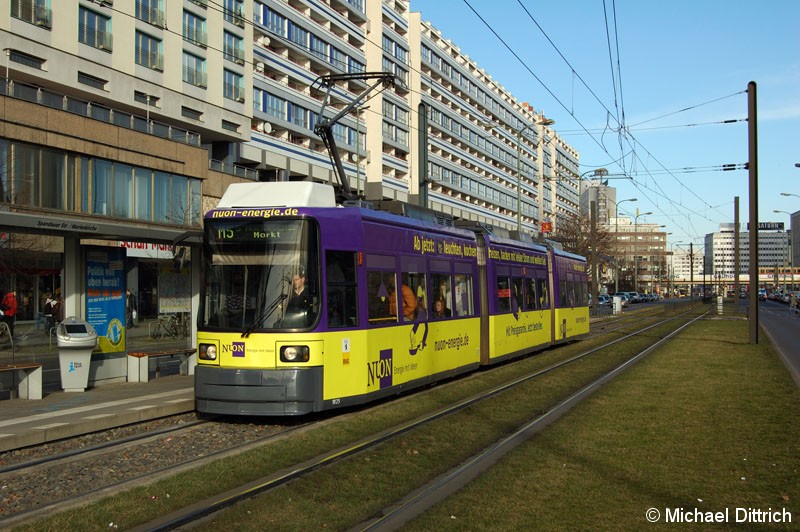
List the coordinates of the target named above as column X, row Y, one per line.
column 47, row 309
column 9, row 310
column 130, row 308
column 792, row 302
column 58, row 308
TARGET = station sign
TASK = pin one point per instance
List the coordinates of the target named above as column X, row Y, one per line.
column 547, row 227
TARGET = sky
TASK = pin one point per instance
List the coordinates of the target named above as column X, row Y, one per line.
column 641, row 87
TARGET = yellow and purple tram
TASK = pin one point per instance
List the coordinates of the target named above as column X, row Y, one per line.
column 306, row 306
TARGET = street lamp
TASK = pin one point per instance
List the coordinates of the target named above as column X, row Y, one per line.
column 788, row 194
column 616, row 236
column 541, row 122
column 635, row 250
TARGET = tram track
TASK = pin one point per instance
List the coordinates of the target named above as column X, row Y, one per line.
column 50, row 483
column 208, row 508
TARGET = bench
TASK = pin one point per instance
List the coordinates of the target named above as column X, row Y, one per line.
column 30, row 379
column 139, row 362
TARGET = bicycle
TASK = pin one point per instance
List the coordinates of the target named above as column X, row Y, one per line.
column 168, row 325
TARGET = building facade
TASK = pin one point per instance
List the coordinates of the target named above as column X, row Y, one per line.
column 774, row 254
column 125, row 138
column 641, row 254
column 685, row 269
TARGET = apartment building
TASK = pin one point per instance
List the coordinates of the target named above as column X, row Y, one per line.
column 123, row 121
column 482, row 141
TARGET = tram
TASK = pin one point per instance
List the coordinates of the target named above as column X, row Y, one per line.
column 308, row 306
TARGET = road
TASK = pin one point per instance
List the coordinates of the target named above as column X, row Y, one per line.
column 782, row 327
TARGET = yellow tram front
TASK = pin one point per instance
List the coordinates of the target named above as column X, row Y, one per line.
column 258, row 353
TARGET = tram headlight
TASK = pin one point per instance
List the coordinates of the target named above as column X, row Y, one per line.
column 208, row 352
column 294, row 353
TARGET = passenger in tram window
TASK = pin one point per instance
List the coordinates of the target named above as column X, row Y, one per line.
column 409, row 302
column 422, row 307
column 440, row 310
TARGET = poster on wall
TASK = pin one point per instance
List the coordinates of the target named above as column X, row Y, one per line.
column 105, row 296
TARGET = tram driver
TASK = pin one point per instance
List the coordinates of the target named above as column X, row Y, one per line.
column 299, row 308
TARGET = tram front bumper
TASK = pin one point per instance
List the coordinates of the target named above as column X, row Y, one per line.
column 252, row 392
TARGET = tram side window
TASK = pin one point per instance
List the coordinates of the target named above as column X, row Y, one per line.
column 341, row 288
column 503, row 295
column 463, row 295
column 442, row 287
column 419, row 287
column 541, row 290
column 531, row 299
column 516, row 294
column 572, row 292
column 381, row 297
column 562, row 293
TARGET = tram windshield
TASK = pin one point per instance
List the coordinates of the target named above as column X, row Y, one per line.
column 260, row 274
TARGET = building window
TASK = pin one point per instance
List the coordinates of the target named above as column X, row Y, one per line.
column 149, row 51
column 297, row 115
column 233, row 48
column 338, row 59
column 275, row 23
column 319, row 48
column 147, row 99
column 233, row 86
column 92, row 81
column 191, row 113
column 276, row 107
column 194, row 70
column 355, row 67
column 194, row 29
column 230, row 126
column 298, row 35
column 34, row 11
column 150, row 11
column 94, row 29
column 25, row 59
column 234, row 11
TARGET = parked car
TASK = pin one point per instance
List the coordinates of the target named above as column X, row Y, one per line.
column 635, row 297
column 626, row 300
column 762, row 294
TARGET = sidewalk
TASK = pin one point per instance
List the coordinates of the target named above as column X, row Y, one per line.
column 62, row 414
column 32, row 345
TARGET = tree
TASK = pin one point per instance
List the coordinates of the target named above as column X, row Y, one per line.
column 574, row 233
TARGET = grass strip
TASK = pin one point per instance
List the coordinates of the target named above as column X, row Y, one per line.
column 434, row 449
column 709, row 423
